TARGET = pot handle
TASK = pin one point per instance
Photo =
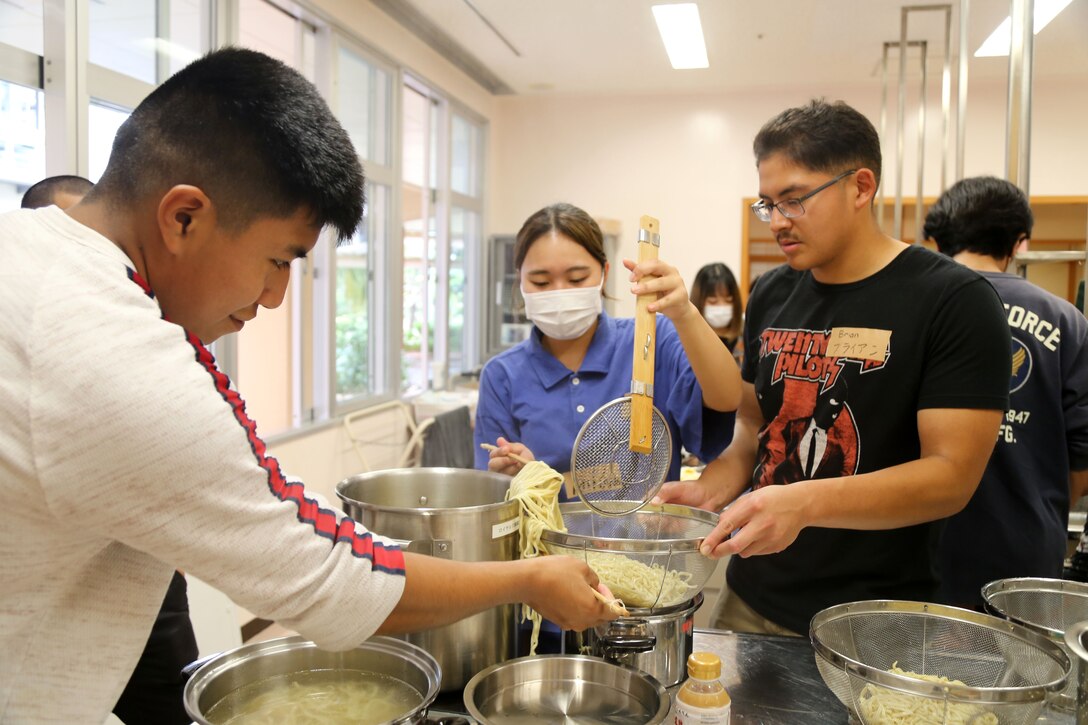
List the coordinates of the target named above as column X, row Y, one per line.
column 440, row 548
column 188, row 670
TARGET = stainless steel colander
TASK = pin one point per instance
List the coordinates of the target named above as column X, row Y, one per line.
column 1007, row 670
column 657, row 548
column 1047, row 606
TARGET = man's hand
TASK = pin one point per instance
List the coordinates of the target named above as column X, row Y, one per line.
column 561, row 591
column 700, row 494
column 761, row 522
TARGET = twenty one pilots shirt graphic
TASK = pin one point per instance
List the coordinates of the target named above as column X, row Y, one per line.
column 814, row 433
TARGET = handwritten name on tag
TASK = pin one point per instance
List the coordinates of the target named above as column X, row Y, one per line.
column 597, row 479
column 860, row 343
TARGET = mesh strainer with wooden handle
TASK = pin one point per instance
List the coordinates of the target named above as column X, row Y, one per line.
column 622, row 453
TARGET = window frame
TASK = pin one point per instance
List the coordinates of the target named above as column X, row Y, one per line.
column 383, row 273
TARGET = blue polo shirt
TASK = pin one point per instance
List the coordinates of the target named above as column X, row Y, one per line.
column 528, row 396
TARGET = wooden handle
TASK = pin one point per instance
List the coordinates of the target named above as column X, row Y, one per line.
column 516, row 457
column 642, row 369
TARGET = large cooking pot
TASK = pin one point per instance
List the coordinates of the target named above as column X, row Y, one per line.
column 565, row 688
column 450, row 513
column 225, row 673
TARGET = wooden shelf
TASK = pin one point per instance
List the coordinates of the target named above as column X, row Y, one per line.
column 1060, row 236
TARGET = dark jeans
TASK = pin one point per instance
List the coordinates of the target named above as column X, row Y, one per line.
column 153, row 694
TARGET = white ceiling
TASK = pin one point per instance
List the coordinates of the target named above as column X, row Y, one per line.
column 612, row 46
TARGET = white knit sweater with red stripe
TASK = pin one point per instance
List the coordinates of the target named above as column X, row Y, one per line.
column 124, row 456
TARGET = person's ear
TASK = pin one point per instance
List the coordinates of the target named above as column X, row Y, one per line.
column 865, row 183
column 185, row 216
column 604, row 276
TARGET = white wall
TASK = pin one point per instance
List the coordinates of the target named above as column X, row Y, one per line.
column 687, row 159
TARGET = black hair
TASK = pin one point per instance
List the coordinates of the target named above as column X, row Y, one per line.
column 983, row 214
column 709, row 281
column 567, row 219
column 45, row 191
column 249, row 131
column 822, row 136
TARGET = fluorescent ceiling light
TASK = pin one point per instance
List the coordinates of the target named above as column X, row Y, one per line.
column 1000, row 40
column 683, row 35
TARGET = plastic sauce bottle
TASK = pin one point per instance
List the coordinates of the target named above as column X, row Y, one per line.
column 702, row 700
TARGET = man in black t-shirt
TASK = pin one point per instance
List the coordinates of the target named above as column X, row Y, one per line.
column 1016, row 523
column 892, row 360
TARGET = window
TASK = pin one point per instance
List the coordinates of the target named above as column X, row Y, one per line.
column 466, row 243
column 21, row 25
column 102, row 124
column 148, row 41
column 265, row 360
column 442, row 210
column 362, row 100
column 22, row 142
column 22, row 103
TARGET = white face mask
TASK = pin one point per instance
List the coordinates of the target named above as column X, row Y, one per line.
column 718, row 316
column 564, row 314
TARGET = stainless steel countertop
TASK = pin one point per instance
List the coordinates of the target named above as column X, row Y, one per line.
column 771, row 680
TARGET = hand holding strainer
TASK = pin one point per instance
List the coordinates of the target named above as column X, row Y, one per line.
column 622, row 453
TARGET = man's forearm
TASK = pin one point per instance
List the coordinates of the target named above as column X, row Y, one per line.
column 463, row 590
column 729, row 475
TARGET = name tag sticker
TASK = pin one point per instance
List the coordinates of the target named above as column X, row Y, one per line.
column 860, row 343
column 505, row 528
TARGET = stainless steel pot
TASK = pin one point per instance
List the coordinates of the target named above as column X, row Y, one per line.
column 224, row 673
column 451, row 513
column 565, row 688
column 655, row 641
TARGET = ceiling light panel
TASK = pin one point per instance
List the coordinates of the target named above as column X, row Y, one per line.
column 682, row 33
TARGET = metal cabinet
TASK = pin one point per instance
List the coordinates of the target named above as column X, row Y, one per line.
column 505, row 319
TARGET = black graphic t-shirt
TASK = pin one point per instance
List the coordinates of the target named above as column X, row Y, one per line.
column 840, row 373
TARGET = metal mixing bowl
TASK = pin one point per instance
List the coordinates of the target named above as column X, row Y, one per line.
column 1005, row 669
column 1047, row 606
column 665, row 538
column 224, row 673
column 565, row 688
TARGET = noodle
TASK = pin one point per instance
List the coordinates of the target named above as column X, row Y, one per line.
column 882, row 706
column 638, row 584
column 317, row 697
column 536, row 488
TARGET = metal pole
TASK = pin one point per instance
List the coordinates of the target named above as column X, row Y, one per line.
column 918, row 203
column 883, row 132
column 897, row 229
column 1018, row 128
column 961, row 89
column 946, row 95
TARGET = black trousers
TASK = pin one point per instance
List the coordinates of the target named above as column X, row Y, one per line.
column 153, row 694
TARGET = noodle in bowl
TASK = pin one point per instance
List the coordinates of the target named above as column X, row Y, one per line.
column 289, row 680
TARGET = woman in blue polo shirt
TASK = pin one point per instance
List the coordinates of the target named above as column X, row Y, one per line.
column 535, row 397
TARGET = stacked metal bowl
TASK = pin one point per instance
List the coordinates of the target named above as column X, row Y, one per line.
column 1046, row 606
column 898, row 662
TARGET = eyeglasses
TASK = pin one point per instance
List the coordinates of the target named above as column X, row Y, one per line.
column 793, row 208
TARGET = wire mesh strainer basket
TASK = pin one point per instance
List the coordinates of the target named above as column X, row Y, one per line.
column 650, row 559
column 1047, row 606
column 1006, row 670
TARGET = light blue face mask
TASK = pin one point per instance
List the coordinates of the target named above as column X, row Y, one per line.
column 564, row 314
